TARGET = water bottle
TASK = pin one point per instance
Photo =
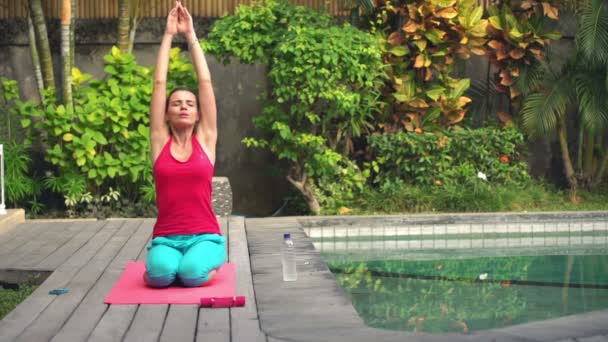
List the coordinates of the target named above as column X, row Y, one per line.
column 288, row 258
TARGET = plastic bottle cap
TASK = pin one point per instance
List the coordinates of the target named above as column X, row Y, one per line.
column 287, row 236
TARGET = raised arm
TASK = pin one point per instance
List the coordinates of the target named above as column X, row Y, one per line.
column 207, row 128
column 159, row 131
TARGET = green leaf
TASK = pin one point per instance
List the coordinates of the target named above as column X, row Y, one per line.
column 460, row 87
column 402, row 97
column 443, row 3
column 25, row 123
column 433, row 114
column 554, row 35
column 435, row 91
column 400, row 50
column 92, row 173
column 495, row 22
column 143, row 130
column 475, row 16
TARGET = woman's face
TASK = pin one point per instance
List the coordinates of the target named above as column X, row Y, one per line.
column 182, row 110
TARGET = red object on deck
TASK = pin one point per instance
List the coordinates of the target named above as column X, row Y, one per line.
column 222, row 302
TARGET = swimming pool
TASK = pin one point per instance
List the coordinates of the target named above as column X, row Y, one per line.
column 468, row 277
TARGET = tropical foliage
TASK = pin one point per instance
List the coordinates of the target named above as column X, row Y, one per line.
column 421, row 41
column 582, row 83
column 100, row 144
column 518, row 36
column 323, row 94
column 452, row 157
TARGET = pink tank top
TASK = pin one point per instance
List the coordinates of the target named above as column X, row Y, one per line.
column 183, row 193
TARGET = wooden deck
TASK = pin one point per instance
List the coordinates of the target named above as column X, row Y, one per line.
column 88, row 257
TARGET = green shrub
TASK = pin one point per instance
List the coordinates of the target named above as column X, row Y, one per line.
column 323, row 82
column 451, row 157
column 98, row 150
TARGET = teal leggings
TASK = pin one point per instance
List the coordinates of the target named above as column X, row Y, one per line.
column 188, row 258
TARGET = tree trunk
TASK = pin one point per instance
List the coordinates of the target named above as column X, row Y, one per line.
column 568, row 169
column 304, row 187
column 73, row 33
column 123, row 25
column 134, row 21
column 42, row 41
column 589, row 144
column 35, row 57
column 66, row 19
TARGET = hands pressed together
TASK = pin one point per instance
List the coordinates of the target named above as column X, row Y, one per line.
column 179, row 21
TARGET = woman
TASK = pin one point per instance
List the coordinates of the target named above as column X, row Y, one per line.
column 187, row 244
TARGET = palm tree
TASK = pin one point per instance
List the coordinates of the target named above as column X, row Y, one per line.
column 582, row 81
column 34, row 55
column 123, row 25
column 42, row 41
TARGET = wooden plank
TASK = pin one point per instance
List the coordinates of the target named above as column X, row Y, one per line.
column 114, row 324
column 244, row 322
column 48, row 246
column 45, row 233
column 91, row 309
column 25, row 313
column 59, row 256
column 16, row 237
column 214, row 324
column 50, row 321
column 180, row 324
column 106, row 325
column 239, row 255
column 147, row 323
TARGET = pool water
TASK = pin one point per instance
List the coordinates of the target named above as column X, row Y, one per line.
column 465, row 295
column 464, row 283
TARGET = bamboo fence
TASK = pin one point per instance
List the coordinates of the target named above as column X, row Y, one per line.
column 99, row 9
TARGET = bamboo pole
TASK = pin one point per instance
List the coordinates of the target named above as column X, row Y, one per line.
column 66, row 20
column 74, row 7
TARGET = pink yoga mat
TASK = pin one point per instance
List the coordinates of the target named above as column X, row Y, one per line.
column 131, row 289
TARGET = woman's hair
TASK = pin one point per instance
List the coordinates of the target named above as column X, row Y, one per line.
column 181, row 89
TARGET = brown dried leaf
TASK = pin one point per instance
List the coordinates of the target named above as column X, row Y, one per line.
column 550, row 11
column 447, row 13
column 419, row 63
column 504, row 117
column 496, row 45
column 526, row 5
column 410, row 26
column 463, row 100
column 506, row 79
column 515, row 72
column 418, row 103
column 514, row 92
column 517, row 53
column 395, row 38
column 501, row 55
column 456, row 116
column 478, row 51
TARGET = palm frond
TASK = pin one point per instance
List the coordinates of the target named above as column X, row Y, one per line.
column 592, row 93
column 592, row 33
column 367, row 5
column 541, row 110
column 531, row 77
